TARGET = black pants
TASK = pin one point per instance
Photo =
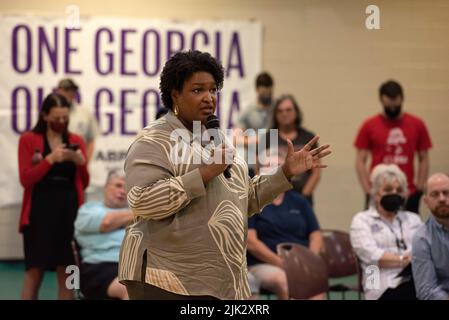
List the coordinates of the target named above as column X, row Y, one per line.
column 411, row 205
column 144, row 291
column 404, row 291
column 96, row 279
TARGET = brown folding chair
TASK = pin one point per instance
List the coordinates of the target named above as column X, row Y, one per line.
column 306, row 271
column 340, row 260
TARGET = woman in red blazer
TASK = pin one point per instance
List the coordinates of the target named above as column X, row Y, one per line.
column 53, row 172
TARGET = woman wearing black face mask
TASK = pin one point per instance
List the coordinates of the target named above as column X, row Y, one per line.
column 382, row 235
column 54, row 178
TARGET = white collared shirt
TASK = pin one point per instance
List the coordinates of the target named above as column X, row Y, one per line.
column 372, row 236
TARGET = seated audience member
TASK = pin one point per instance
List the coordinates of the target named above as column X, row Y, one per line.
column 289, row 218
column 382, row 236
column 430, row 259
column 99, row 231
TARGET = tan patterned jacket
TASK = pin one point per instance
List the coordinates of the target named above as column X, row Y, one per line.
column 187, row 238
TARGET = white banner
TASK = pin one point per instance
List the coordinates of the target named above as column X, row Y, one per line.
column 116, row 63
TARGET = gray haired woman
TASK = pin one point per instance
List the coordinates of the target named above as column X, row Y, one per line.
column 382, row 235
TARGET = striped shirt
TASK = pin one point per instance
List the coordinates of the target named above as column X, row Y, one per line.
column 188, row 238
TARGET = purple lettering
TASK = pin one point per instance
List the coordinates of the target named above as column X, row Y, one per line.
column 235, row 106
column 109, row 55
column 123, row 111
column 52, row 51
column 40, row 97
column 145, row 104
column 171, row 35
column 234, row 49
column 157, row 56
column 16, row 50
column 218, row 46
column 201, row 33
column 15, row 106
column 124, row 51
column 68, row 51
column 109, row 115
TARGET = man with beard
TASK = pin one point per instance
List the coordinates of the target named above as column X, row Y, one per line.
column 430, row 254
column 394, row 137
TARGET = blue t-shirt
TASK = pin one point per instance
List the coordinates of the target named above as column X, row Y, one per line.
column 292, row 221
column 95, row 246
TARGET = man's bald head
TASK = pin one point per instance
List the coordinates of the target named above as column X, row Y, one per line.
column 437, row 195
column 435, row 178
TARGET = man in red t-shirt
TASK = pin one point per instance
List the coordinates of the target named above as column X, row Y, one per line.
column 394, row 137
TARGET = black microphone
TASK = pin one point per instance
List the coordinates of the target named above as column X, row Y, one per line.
column 212, row 122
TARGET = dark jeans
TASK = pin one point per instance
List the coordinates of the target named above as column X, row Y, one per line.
column 144, row 291
column 404, row 291
column 412, row 203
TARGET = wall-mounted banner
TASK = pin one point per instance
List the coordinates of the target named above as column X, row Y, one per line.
column 117, row 64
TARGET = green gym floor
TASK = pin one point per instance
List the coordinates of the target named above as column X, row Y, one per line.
column 11, row 280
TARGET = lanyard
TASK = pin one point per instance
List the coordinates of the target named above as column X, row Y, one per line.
column 400, row 243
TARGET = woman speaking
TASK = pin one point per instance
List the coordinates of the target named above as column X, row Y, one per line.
column 188, row 240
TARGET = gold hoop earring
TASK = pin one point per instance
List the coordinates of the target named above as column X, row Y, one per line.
column 175, row 110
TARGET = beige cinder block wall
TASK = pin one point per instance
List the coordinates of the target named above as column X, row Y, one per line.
column 320, row 51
